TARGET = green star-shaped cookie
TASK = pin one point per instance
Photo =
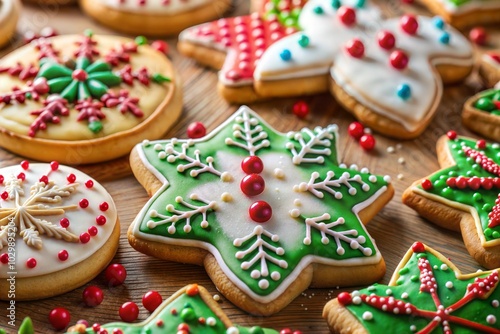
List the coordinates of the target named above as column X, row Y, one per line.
column 267, row 213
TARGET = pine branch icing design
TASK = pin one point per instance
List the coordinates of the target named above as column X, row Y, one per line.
column 312, row 145
column 253, row 207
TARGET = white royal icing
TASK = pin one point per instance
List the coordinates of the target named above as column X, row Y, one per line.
column 370, row 79
column 469, row 6
column 80, row 220
column 157, row 7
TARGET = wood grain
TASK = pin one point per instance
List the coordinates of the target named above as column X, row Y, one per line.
column 395, row 228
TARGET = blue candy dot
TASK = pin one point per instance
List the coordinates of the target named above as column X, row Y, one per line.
column 438, row 22
column 336, row 4
column 444, row 38
column 286, row 55
column 404, row 91
column 318, row 10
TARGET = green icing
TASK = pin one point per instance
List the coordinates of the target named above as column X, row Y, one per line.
column 467, row 167
column 184, row 185
column 489, row 101
column 26, row 326
column 408, row 291
column 285, row 17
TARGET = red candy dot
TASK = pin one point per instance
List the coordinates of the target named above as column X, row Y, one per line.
column 160, row 46
column 25, row 164
column 474, row 183
column 31, row 263
column 418, row 247
column 1, row 179
column 344, row 298
column 54, row 165
column 44, row 179
column 192, row 290
column 117, row 331
column 427, row 184
column 21, row 176
column 260, row 212
column 481, row 144
column 89, row 184
column 159, row 323
column 71, row 178
column 409, row 24
column 59, row 318
column 4, row 258
column 346, row 15
column 286, row 331
column 151, row 300
column 300, row 109
column 96, row 327
column 93, row 231
column 386, row 39
column 356, row 130
column 196, row 130
column 100, row 220
column 5, row 195
column 79, row 75
column 129, row 311
column 451, row 134
column 478, row 36
column 115, row 274
column 104, row 206
column 84, row 237
column 367, row 142
column 92, row 296
column 83, row 203
column 399, row 60
column 63, row 255
column 64, row 222
column 252, row 185
column 252, row 165
column 355, row 48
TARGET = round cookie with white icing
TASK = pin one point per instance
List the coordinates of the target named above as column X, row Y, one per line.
column 465, row 13
column 58, row 230
column 153, row 17
column 9, row 14
column 427, row 294
column 84, row 98
column 268, row 214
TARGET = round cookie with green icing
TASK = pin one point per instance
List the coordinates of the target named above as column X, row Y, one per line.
column 464, row 195
column 426, row 294
column 85, row 98
column 481, row 114
column 268, row 214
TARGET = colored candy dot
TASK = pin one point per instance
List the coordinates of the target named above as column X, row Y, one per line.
column 438, row 22
column 188, row 314
column 54, row 165
column 100, row 220
column 115, row 274
column 129, row 312
column 104, row 206
column 356, row 130
column 21, row 176
column 96, row 327
column 485, row 104
column 355, row 48
column 71, row 178
column 452, row 135
column 360, row 3
column 399, row 60
column 192, row 290
column 477, row 197
column 336, row 4
column 151, row 300
column 418, row 247
column 44, row 179
column 92, row 296
column 84, row 237
column 404, row 91
column 386, row 39
column 63, row 255
column 5, row 195
column 159, row 323
column 427, row 184
column 79, row 75
column 59, row 318
column 285, row 55
column 300, row 109
column 25, row 164
column 88, row 32
column 481, row 144
column 196, row 130
column 64, row 222
column 141, row 40
column 84, row 203
column 183, row 328
column 303, row 41
column 89, row 184
column 1, row 179
column 256, row 330
column 367, row 142
column 92, row 231
column 318, row 10
column 260, row 211
column 409, row 24
column 344, row 298
column 444, row 38
column 160, row 46
column 252, row 185
column 478, row 36
column 347, row 15
column 252, row 165
column 4, row 258
column 31, row 263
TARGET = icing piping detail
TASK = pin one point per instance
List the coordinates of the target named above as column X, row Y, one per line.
column 319, row 137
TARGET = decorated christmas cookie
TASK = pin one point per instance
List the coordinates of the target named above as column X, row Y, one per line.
column 463, row 13
column 154, row 17
column 427, row 294
column 267, row 214
column 9, row 14
column 58, row 230
column 190, row 310
column 85, row 99
column 482, row 114
column 489, row 68
column 463, row 196
column 404, row 60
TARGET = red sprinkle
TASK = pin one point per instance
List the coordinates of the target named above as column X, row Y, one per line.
column 355, row 48
column 31, row 263
column 418, row 247
column 386, row 39
column 89, row 184
column 478, row 36
column 367, row 142
column 5, row 195
column 115, row 274
column 63, row 255
column 481, row 144
column 151, row 300
column 409, row 24
column 84, row 203
column 192, row 290
column 4, row 258
column 252, row 165
column 398, row 59
column 21, row 176
column 25, row 164
column 346, row 15
column 64, row 222
column 84, row 237
column 104, row 206
column 196, row 130
column 71, row 178
column 160, row 46
column 93, row 231
column 427, row 184
column 100, row 220
column 300, row 109
column 44, row 179
column 54, row 165
column 344, row 298
column 59, row 318
column 260, row 211
column 356, row 130
column 452, row 135
column 92, row 296
column 129, row 312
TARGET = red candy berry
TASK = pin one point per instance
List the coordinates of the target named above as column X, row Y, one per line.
column 89, row 184
column 418, row 247
column 386, row 39
column 100, row 220
column 104, row 206
column 115, row 274
column 84, row 203
column 344, row 298
column 196, row 130
column 59, row 318
column 4, row 258
column 427, row 184
column 71, row 178
column 5, row 195
column 367, row 142
column 84, row 237
column 151, row 300
column 409, row 24
column 355, row 48
column 478, row 36
column 252, row 185
column 44, row 179
column 252, row 165
column 260, row 211
column 64, row 222
column 481, row 144
column 451, row 134
column 399, row 60
column 25, row 164
column 31, row 263
column 93, row 231
column 21, row 176
column 356, row 130
column 79, row 75
column 92, row 296
column 346, row 15
column 160, row 46
column 63, row 255
column 300, row 109
column 129, row 311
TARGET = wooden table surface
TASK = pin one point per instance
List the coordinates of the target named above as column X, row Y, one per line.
column 395, row 228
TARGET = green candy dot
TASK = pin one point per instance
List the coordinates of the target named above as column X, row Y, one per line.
column 303, row 41
column 477, row 197
column 400, row 281
column 336, row 4
column 488, row 232
column 496, row 97
column 95, row 126
column 296, row 12
column 404, row 271
column 141, row 40
column 421, row 255
column 256, row 330
column 447, row 191
column 495, row 235
column 442, row 177
column 469, row 160
column 485, row 104
column 289, row 22
column 487, row 207
column 415, row 278
column 318, row 10
column 452, row 173
column 470, row 173
column 28, row 96
column 360, row 3
column 159, row 78
column 188, row 314
column 88, row 32
column 439, row 183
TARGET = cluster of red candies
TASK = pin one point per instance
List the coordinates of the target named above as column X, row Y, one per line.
column 365, row 139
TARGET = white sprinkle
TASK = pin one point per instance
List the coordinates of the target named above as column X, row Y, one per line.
column 368, row 131
column 449, row 284
column 413, row 328
column 367, row 316
column 491, row 319
column 391, row 149
column 400, row 176
column 356, row 300
column 388, row 292
column 444, row 267
column 211, row 321
column 404, row 295
column 495, row 303
column 216, row 297
column 401, row 161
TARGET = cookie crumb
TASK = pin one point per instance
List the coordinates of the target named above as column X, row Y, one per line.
column 391, row 149
column 401, row 160
column 216, row 297
column 400, row 176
